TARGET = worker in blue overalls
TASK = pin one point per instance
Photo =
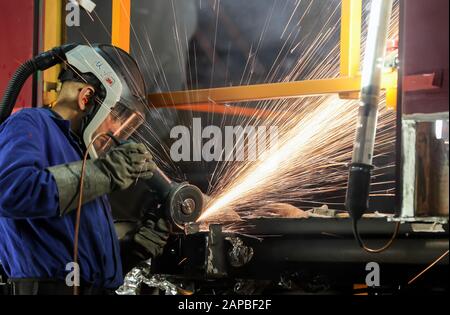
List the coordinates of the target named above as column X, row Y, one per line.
column 41, row 153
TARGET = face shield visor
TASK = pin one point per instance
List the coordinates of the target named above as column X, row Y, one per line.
column 122, row 109
column 121, row 123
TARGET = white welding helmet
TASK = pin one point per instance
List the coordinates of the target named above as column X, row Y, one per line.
column 120, row 96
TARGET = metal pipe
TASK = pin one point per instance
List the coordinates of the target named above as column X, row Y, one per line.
column 361, row 166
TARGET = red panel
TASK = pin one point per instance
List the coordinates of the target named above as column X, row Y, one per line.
column 424, row 50
column 16, row 43
column 422, row 82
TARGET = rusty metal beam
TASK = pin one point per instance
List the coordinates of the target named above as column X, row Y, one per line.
column 267, row 91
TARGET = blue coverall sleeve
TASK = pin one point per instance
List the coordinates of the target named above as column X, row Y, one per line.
column 27, row 190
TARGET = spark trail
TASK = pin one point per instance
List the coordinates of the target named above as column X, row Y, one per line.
column 314, row 148
column 310, row 159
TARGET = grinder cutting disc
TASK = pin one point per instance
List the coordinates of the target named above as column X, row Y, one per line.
column 185, row 204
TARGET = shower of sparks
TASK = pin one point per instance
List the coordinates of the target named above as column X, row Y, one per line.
column 310, row 159
column 314, row 147
column 315, row 134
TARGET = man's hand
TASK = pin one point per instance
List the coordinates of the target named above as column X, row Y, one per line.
column 117, row 170
column 152, row 235
column 126, row 163
column 146, row 241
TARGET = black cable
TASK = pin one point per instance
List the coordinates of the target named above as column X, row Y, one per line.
column 80, row 204
column 40, row 62
column 36, row 31
column 371, row 250
column 428, row 267
column 15, row 85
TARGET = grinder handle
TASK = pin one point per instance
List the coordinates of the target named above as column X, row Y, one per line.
column 159, row 182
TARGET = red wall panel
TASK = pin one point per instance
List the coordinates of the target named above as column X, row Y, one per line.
column 16, row 43
column 425, row 49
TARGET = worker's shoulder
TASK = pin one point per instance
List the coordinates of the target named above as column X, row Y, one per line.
column 28, row 115
column 27, row 118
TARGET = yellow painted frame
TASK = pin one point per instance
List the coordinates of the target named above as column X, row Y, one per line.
column 266, row 91
column 120, row 33
column 351, row 11
column 347, row 85
column 53, row 37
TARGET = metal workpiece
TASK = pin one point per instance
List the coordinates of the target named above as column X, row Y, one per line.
column 327, row 228
column 409, row 249
column 290, row 247
column 287, row 245
column 425, row 156
column 216, row 264
column 191, row 228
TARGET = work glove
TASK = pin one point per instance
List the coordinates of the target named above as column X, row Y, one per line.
column 146, row 241
column 125, row 164
column 117, row 170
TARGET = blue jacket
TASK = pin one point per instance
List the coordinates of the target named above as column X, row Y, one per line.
column 35, row 242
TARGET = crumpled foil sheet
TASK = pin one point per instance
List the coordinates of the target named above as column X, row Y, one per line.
column 133, row 279
column 141, row 274
column 160, row 282
column 239, row 254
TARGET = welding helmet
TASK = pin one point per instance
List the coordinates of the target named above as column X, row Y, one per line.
column 119, row 102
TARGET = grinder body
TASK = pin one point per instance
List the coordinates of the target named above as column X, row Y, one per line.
column 182, row 202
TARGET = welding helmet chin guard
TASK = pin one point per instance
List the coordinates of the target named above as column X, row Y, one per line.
column 119, row 101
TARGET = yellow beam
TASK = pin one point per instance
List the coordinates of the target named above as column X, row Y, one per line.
column 52, row 38
column 267, row 91
column 120, row 34
column 351, row 11
column 347, row 85
column 391, row 90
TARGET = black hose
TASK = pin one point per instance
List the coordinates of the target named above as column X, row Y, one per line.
column 41, row 62
column 19, row 78
column 371, row 250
